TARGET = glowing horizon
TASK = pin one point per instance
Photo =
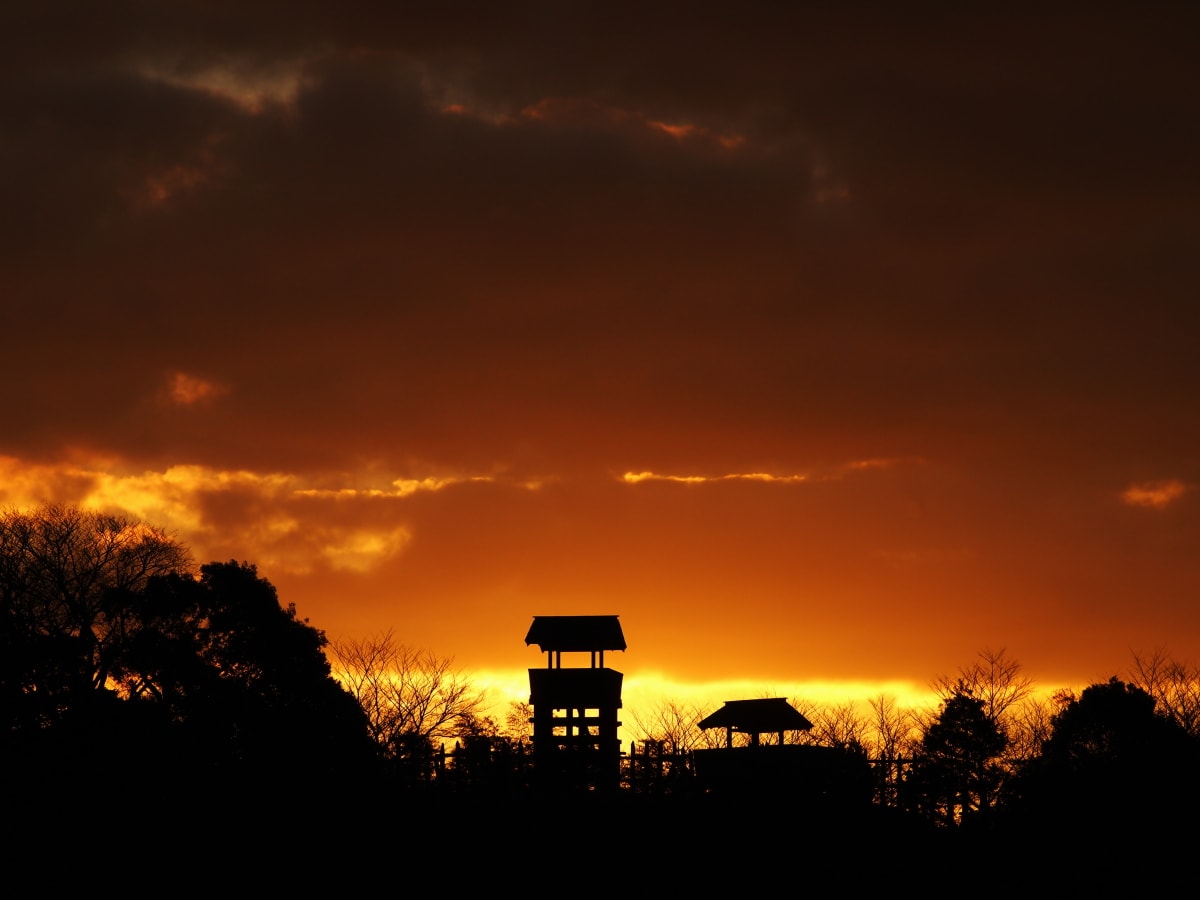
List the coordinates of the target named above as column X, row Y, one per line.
column 644, row 693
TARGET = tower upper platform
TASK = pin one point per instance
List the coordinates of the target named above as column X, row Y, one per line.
column 576, row 634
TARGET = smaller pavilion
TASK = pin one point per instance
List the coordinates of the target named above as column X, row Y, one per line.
column 772, row 715
column 767, row 768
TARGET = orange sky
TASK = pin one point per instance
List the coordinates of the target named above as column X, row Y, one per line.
column 822, row 348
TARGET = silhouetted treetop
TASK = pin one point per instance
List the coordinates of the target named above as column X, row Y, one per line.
column 995, row 679
column 229, row 664
column 114, row 649
column 1112, row 723
column 1112, row 764
column 61, row 633
column 955, row 772
column 1174, row 684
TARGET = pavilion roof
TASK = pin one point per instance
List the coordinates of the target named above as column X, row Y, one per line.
column 758, row 716
column 576, row 633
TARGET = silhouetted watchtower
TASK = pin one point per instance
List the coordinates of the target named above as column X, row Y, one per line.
column 575, row 710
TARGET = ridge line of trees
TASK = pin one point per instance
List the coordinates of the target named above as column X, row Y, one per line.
column 115, row 645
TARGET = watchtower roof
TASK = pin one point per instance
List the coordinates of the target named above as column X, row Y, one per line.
column 573, row 634
column 760, row 716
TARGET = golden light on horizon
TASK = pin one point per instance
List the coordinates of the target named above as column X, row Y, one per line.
column 647, row 693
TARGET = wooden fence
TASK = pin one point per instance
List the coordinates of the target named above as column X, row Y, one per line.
column 649, row 767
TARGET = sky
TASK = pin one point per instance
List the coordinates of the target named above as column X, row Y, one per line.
column 825, row 344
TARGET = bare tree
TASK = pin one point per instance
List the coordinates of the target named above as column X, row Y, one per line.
column 841, row 725
column 993, row 678
column 1006, row 697
column 407, row 694
column 892, row 728
column 1029, row 727
column 517, row 719
column 59, row 567
column 996, row 680
column 891, row 742
column 674, row 725
column 1174, row 685
column 668, row 732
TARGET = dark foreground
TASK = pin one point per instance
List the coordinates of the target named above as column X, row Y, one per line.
column 114, row 833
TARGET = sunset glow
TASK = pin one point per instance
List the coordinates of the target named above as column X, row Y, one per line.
column 806, row 343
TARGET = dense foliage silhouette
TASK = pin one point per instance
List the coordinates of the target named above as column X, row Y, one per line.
column 1113, row 763
column 116, row 655
column 955, row 774
column 242, row 682
column 61, row 633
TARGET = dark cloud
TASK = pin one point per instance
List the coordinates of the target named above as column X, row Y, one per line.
column 986, row 171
